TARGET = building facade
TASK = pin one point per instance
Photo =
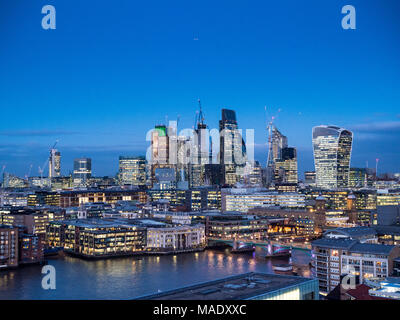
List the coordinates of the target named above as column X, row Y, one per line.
column 132, row 171
column 332, row 258
column 332, row 152
column 82, row 171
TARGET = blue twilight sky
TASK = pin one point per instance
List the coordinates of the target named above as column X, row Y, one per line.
column 113, row 69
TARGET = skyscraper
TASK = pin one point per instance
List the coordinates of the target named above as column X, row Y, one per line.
column 286, row 166
column 277, row 142
column 332, row 153
column 132, row 171
column 54, row 163
column 232, row 148
column 200, row 153
column 160, row 153
column 159, row 145
column 82, row 170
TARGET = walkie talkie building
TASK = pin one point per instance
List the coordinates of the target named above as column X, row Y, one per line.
column 332, row 153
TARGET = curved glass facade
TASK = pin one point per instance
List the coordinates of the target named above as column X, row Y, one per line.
column 332, row 153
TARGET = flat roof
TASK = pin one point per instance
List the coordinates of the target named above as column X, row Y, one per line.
column 238, row 287
column 353, row 246
column 353, row 232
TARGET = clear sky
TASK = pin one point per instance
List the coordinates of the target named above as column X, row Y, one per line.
column 113, row 69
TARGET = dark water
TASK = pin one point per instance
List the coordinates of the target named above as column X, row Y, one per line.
column 126, row 278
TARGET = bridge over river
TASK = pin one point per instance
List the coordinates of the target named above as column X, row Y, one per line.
column 305, row 246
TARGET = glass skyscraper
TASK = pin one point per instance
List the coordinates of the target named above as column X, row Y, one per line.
column 82, row 170
column 232, row 148
column 132, row 171
column 54, row 163
column 286, row 167
column 332, row 153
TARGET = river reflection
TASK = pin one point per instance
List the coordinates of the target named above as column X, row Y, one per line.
column 126, row 278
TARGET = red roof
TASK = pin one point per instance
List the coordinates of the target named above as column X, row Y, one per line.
column 361, row 293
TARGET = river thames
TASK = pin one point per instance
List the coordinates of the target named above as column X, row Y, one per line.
column 130, row 277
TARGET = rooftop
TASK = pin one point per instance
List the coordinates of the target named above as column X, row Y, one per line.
column 361, row 292
column 238, row 287
column 353, row 232
column 354, row 246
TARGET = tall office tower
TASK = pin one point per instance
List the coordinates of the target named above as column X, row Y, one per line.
column 332, row 153
column 132, row 171
column 82, row 171
column 232, row 148
column 200, row 152
column 160, row 157
column 160, row 145
column 286, row 166
column 277, row 141
column 54, row 163
column 183, row 158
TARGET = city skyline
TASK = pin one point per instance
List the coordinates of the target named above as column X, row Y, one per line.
column 220, row 154
column 99, row 88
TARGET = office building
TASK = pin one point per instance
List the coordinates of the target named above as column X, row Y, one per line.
column 163, row 155
column 132, row 171
column 286, row 166
column 82, row 171
column 200, row 152
column 253, row 174
column 277, row 141
column 388, row 197
column 54, row 163
column 34, row 221
column 97, row 238
column 242, row 200
column 77, row 198
column 240, row 227
column 332, row 152
column 164, row 179
column 309, row 178
column 232, row 148
column 357, row 178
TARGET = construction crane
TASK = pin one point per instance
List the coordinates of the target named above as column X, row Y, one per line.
column 199, row 118
column 29, row 172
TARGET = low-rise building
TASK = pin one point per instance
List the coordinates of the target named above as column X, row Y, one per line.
column 97, row 238
column 362, row 234
column 243, row 200
column 248, row 286
column 8, row 246
column 176, row 238
column 331, row 258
